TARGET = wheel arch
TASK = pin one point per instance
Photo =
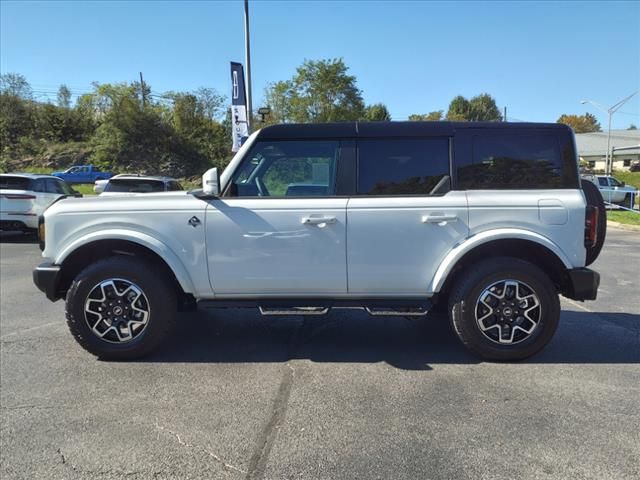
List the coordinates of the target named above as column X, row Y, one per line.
column 84, row 251
column 520, row 244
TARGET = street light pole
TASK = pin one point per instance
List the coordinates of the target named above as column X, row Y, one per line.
column 247, row 52
column 610, row 111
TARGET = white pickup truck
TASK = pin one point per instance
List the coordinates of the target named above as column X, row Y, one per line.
column 489, row 220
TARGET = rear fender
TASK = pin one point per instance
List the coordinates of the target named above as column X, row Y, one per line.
column 452, row 258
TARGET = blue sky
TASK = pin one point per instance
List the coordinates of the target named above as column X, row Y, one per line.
column 537, row 58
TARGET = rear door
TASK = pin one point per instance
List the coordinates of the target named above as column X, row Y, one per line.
column 404, row 218
column 280, row 227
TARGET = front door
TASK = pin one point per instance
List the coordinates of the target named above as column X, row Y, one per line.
column 404, row 219
column 279, row 228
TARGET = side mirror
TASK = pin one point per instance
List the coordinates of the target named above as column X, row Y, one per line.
column 622, row 184
column 211, row 182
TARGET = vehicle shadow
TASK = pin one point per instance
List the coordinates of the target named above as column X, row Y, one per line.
column 18, row 237
column 237, row 335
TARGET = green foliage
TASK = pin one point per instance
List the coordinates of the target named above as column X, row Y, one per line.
column 632, row 127
column 320, row 91
column 377, row 112
column 178, row 135
column 481, row 108
column 427, row 117
column 64, row 96
column 581, row 123
column 15, row 85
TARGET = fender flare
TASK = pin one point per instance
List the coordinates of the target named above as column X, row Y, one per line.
column 452, row 258
column 142, row 239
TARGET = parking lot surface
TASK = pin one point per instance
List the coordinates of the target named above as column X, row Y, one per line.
column 236, row 395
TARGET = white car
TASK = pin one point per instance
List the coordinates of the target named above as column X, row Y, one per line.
column 24, row 197
column 489, row 220
column 124, row 184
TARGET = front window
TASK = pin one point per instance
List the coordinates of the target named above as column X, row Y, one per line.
column 614, row 182
column 287, row 168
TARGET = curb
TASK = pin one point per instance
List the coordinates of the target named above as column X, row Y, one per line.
column 623, row 226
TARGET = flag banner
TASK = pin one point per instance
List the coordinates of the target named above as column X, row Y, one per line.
column 240, row 127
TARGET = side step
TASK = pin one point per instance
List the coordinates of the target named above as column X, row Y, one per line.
column 294, row 311
column 417, row 307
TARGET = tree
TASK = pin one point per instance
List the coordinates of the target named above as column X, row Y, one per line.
column 481, row 108
column 434, row 116
column 210, row 102
column 15, row 85
column 581, row 123
column 632, row 127
column 377, row 112
column 458, row 109
column 320, row 91
column 64, row 96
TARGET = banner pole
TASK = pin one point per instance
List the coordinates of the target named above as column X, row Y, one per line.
column 247, row 50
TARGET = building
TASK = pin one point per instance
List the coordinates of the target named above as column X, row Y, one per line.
column 592, row 148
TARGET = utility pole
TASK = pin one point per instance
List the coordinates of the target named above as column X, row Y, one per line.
column 247, row 51
column 142, row 91
column 504, row 119
column 608, row 163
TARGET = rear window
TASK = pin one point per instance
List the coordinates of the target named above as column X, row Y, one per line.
column 134, row 186
column 511, row 160
column 9, row 182
column 403, row 166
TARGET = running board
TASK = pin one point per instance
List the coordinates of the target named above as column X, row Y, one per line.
column 384, row 307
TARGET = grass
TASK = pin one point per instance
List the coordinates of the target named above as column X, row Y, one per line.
column 83, row 188
column 630, row 178
column 629, row 218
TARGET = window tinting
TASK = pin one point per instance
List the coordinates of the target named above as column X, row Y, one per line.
column 287, row 169
column 403, row 166
column 134, row 186
column 519, row 161
column 55, row 186
column 15, row 183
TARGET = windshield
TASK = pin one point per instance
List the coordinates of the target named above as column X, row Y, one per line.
column 135, row 186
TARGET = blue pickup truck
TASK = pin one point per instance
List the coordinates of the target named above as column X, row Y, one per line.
column 82, row 174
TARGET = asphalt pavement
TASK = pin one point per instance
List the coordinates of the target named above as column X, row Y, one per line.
column 347, row 396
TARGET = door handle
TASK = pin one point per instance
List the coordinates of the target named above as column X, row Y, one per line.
column 318, row 220
column 439, row 219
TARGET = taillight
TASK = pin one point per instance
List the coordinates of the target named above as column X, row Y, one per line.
column 590, row 226
column 18, row 196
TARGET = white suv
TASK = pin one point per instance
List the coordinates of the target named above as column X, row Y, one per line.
column 488, row 219
column 25, row 196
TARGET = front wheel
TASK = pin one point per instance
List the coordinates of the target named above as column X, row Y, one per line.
column 119, row 308
column 504, row 309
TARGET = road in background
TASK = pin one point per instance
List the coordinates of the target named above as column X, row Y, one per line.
column 236, row 395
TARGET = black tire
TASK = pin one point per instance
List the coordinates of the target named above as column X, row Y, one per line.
column 594, row 198
column 159, row 297
column 466, row 293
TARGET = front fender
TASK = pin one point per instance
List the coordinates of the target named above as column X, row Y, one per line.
column 449, row 262
column 143, row 239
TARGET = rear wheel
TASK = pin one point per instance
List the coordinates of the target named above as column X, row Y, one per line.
column 504, row 309
column 118, row 308
column 594, row 198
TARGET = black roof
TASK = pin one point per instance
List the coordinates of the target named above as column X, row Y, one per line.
column 387, row 129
